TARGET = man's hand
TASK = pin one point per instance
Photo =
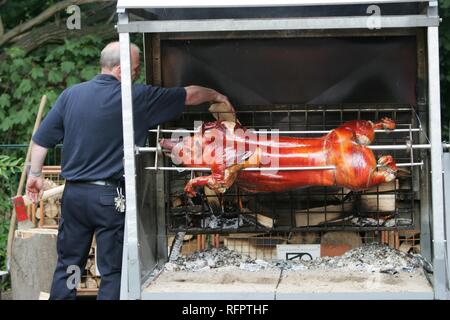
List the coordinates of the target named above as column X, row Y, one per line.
column 197, row 95
column 35, row 188
column 223, row 99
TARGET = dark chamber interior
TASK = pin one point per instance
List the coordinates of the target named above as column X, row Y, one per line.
column 296, row 70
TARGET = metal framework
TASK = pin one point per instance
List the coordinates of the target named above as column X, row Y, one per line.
column 132, row 279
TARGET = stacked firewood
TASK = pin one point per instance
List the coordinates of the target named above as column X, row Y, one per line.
column 90, row 278
column 49, row 210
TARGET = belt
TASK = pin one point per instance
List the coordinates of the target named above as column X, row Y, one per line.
column 108, row 182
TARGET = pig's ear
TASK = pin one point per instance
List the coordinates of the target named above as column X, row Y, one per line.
column 223, row 112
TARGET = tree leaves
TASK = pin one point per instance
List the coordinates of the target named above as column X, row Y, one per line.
column 55, row 76
column 88, row 72
column 67, row 66
column 25, row 86
column 9, row 166
column 37, row 73
column 49, row 70
column 5, row 100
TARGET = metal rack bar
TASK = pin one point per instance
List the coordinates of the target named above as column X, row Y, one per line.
column 157, row 153
column 400, row 147
column 136, row 4
column 285, row 132
column 260, row 109
column 374, row 147
column 212, row 25
column 180, row 169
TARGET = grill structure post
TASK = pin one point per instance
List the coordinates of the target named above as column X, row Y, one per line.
column 437, row 195
column 131, row 279
column 446, row 162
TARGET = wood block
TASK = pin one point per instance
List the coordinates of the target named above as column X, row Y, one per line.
column 91, row 283
column 304, row 238
column 333, row 250
column 381, row 202
column 352, row 239
column 33, row 262
column 317, row 215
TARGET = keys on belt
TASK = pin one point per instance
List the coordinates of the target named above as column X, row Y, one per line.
column 119, row 200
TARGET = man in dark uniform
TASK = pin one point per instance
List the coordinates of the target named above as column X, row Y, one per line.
column 88, row 118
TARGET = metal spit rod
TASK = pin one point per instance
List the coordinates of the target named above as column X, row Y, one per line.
column 374, row 147
column 285, row 132
column 181, row 169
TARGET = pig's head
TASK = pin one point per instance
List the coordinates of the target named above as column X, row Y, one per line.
column 199, row 148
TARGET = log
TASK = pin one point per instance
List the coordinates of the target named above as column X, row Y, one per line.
column 317, row 215
column 91, row 283
column 177, row 202
column 93, row 269
column 50, row 208
column 353, row 239
column 211, row 197
column 261, row 219
column 381, row 202
column 386, row 197
column 88, row 264
column 336, row 243
column 304, row 238
column 50, row 222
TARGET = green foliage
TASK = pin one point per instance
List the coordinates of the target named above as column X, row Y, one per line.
column 10, row 167
column 4, row 228
column 49, row 70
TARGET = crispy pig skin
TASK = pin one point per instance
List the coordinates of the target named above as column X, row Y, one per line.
column 227, row 148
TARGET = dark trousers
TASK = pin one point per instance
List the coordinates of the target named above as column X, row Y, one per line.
column 86, row 210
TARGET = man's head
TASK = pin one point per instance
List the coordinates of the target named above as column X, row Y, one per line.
column 110, row 60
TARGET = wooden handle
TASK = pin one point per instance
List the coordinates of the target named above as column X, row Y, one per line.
column 47, row 194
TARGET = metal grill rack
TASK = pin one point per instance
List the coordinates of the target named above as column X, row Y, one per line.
column 297, row 210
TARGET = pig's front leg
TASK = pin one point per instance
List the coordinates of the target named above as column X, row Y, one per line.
column 222, row 177
column 215, row 182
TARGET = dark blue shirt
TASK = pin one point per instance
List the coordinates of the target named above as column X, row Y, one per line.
column 87, row 117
